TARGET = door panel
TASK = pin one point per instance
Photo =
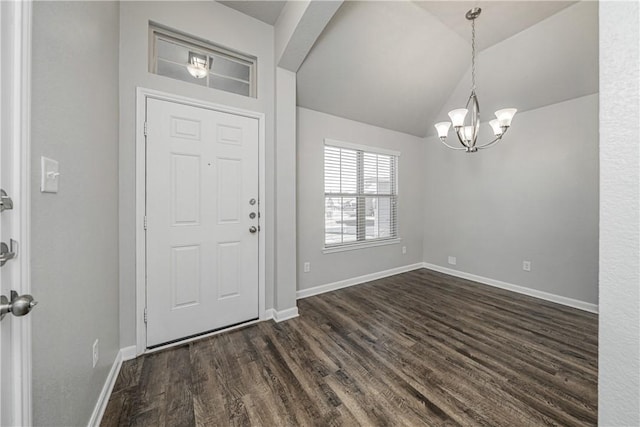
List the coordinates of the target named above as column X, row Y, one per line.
column 230, row 261
column 185, row 277
column 185, row 189
column 229, row 181
column 202, row 259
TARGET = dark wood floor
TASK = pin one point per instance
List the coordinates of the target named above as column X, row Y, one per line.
column 419, row 348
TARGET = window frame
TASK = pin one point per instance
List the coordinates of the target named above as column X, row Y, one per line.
column 394, row 196
column 202, row 47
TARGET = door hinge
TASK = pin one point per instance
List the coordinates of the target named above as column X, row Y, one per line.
column 145, row 315
column 146, row 128
column 145, row 222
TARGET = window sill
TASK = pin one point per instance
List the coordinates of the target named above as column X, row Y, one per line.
column 362, row 245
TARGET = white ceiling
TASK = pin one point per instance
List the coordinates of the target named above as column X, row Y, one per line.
column 382, row 63
column 554, row 61
column 498, row 20
column 402, row 65
column 396, row 64
column 265, row 11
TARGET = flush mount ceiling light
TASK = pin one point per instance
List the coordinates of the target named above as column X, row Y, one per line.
column 198, row 65
column 468, row 134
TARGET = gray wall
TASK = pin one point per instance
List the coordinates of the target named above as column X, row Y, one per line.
column 534, row 197
column 285, row 263
column 211, row 21
column 619, row 355
column 313, row 127
column 74, row 232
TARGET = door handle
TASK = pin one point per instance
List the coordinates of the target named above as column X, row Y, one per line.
column 252, row 229
column 6, row 252
column 18, row 306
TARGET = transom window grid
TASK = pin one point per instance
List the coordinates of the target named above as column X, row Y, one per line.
column 230, row 71
column 360, row 196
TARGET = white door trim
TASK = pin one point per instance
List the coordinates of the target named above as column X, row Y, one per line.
column 142, row 95
column 18, row 29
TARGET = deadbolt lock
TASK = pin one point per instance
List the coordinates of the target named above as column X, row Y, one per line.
column 5, row 201
column 7, row 252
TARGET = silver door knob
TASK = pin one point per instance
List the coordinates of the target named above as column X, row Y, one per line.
column 252, row 229
column 18, row 306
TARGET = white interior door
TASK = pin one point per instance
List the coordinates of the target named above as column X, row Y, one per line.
column 6, row 368
column 15, row 350
column 202, row 220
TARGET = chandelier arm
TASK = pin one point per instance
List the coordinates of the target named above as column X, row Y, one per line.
column 460, row 133
column 449, row 146
column 489, row 144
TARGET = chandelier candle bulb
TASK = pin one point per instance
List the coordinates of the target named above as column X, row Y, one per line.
column 443, row 129
column 495, row 125
column 505, row 116
column 458, row 116
column 468, row 133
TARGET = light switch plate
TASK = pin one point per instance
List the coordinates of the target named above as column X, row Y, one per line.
column 49, row 175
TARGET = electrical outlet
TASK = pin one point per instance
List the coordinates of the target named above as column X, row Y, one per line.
column 452, row 260
column 526, row 265
column 307, row 267
column 96, row 353
column 404, row 249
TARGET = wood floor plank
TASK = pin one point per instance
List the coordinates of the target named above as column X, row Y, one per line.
column 178, row 395
column 419, row 348
column 208, row 399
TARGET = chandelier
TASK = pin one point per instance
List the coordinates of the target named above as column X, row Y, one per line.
column 468, row 134
column 198, row 65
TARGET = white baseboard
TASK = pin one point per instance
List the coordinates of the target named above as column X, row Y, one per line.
column 581, row 305
column 105, row 394
column 304, row 293
column 128, row 353
column 281, row 316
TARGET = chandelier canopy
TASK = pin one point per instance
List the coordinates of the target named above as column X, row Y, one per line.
column 468, row 133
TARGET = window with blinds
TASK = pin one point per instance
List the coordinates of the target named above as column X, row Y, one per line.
column 360, row 194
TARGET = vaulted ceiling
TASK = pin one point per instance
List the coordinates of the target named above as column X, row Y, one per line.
column 402, row 65
column 266, row 10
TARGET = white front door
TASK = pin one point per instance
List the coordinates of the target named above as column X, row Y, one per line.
column 202, row 220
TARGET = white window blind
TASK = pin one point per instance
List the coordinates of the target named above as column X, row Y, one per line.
column 360, row 195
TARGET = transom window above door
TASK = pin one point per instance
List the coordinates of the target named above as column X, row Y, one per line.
column 191, row 60
column 360, row 195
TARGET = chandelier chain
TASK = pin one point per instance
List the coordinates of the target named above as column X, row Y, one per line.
column 473, row 55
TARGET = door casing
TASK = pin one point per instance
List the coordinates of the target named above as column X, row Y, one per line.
column 141, row 266
column 16, row 122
